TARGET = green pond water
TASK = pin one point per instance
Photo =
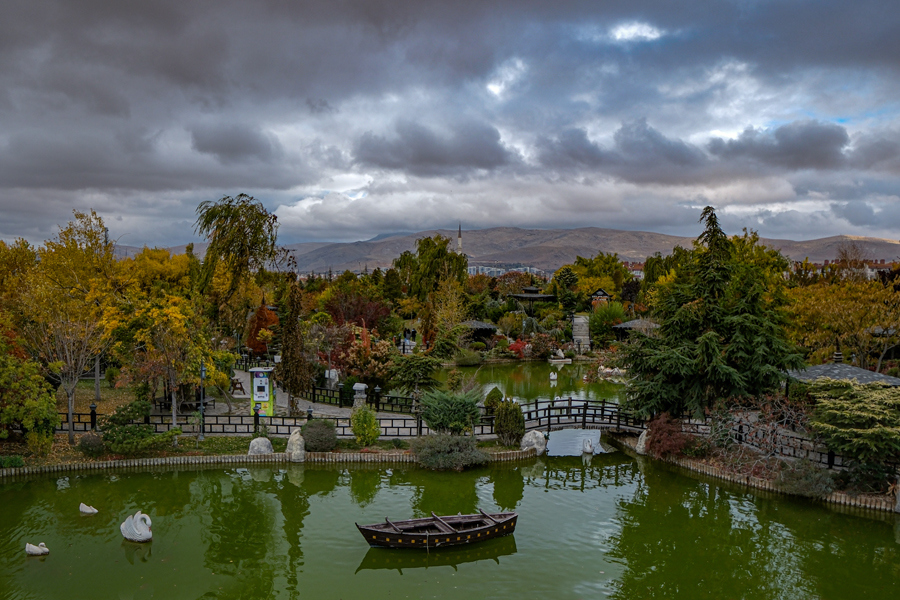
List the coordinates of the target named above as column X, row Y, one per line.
column 530, row 381
column 612, row 528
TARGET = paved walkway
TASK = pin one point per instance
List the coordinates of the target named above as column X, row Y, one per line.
column 241, row 404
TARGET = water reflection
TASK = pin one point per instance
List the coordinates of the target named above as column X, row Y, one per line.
column 384, row 558
column 137, row 552
column 675, row 535
column 508, row 485
column 530, row 381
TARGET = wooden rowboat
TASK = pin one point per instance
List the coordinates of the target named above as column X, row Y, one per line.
column 436, row 532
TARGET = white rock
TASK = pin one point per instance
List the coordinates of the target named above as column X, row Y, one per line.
column 260, row 445
column 536, row 440
column 641, row 446
column 296, row 447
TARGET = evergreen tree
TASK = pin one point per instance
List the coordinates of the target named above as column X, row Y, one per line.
column 721, row 333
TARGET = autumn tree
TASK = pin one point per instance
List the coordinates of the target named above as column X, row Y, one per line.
column 67, row 302
column 861, row 316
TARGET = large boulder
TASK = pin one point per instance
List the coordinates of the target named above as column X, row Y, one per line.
column 260, row 445
column 641, row 446
column 536, row 440
column 296, row 447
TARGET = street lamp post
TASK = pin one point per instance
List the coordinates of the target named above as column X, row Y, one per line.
column 202, row 399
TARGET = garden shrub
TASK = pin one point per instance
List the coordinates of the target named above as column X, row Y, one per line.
column 478, row 346
column 39, row 439
column 454, row 380
column 319, row 435
column 11, row 462
column 569, row 354
column 111, row 376
column 665, row 438
column 91, row 445
column 502, row 344
column 364, row 424
column 122, row 436
column 445, row 412
column 441, row 452
column 803, row 478
column 467, row 358
column 858, row 421
column 865, row 478
column 509, row 424
column 542, row 346
column 492, row 400
column 518, row 348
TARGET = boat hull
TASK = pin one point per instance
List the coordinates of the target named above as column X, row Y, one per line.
column 428, row 533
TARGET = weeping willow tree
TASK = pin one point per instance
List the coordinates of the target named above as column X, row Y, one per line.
column 241, row 235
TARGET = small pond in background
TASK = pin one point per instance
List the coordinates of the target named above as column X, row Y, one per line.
column 529, row 381
column 606, row 526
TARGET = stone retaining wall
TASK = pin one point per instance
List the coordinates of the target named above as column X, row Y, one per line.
column 241, row 459
column 879, row 503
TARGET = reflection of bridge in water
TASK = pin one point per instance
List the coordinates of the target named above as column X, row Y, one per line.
column 550, row 415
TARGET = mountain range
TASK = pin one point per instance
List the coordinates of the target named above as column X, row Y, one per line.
column 544, row 249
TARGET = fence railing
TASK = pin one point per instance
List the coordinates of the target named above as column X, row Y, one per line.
column 411, row 426
column 377, row 401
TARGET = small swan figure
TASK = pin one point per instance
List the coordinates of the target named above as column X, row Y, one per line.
column 39, row 550
column 587, row 447
column 136, row 528
column 87, row 510
column 553, row 376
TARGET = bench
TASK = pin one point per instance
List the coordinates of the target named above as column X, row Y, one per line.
column 236, row 385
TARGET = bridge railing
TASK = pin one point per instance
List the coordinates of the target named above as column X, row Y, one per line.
column 571, row 412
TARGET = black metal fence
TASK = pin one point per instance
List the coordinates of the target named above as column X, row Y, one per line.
column 376, row 400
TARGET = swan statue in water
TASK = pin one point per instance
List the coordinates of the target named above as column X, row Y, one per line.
column 87, row 510
column 587, row 446
column 39, row 550
column 136, row 528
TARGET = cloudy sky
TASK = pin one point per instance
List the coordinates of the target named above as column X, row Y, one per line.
column 350, row 118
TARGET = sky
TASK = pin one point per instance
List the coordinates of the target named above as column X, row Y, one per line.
column 353, row 118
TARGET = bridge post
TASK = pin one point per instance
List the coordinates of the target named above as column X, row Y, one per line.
column 548, row 419
column 584, row 414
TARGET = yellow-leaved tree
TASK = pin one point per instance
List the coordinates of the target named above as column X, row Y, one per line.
column 67, row 306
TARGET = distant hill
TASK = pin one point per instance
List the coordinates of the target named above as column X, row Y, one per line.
column 545, row 249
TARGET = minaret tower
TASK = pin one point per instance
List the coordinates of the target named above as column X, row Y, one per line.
column 459, row 240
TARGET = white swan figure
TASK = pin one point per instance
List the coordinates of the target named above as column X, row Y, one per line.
column 39, row 550
column 87, row 510
column 553, row 376
column 587, row 446
column 136, row 528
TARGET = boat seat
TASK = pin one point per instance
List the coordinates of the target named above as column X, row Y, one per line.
column 444, row 528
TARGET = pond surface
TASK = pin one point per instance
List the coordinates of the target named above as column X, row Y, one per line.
column 530, row 381
column 612, row 528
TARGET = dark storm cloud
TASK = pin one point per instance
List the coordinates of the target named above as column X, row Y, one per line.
column 568, row 111
column 639, row 154
column 232, row 143
column 798, row 145
column 422, row 151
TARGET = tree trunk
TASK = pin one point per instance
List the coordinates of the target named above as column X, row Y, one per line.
column 97, row 379
column 70, row 395
column 173, row 395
